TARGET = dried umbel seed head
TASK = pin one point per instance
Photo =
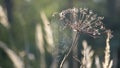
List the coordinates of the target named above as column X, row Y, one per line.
column 82, row 20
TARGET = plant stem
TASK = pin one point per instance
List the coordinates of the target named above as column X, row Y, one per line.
column 74, row 44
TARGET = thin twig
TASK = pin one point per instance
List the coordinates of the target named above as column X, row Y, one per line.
column 74, row 43
column 76, row 59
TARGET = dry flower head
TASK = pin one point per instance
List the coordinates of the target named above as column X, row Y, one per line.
column 82, row 20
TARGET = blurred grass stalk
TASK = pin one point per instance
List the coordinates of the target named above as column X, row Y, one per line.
column 18, row 63
column 48, row 30
column 40, row 38
column 87, row 53
column 40, row 45
column 3, row 18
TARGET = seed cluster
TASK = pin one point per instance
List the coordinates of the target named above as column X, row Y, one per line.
column 82, row 20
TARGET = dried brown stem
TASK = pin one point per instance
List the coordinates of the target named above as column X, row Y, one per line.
column 74, row 44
